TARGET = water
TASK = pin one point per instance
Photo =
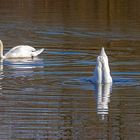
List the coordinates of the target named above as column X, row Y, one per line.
column 52, row 96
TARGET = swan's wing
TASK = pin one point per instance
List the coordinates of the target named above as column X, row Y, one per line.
column 98, row 71
column 105, row 70
column 21, row 48
column 20, row 51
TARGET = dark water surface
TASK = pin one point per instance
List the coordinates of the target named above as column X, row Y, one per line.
column 52, row 97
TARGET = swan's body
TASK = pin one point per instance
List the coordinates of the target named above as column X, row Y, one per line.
column 102, row 70
column 21, row 51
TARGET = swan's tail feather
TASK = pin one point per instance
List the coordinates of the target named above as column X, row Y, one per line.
column 103, row 52
column 36, row 53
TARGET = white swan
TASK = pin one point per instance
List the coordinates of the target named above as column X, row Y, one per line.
column 102, row 70
column 21, row 51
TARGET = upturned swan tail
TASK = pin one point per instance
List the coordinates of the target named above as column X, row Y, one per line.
column 102, row 53
column 102, row 70
column 36, row 53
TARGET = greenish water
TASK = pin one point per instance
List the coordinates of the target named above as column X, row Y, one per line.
column 52, row 97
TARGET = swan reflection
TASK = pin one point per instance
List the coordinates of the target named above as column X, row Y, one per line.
column 26, row 63
column 103, row 92
column 21, row 67
column 1, row 75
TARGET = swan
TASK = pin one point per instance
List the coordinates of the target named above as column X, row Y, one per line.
column 21, row 51
column 102, row 70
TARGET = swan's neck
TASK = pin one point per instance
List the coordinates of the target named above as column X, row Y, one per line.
column 1, row 50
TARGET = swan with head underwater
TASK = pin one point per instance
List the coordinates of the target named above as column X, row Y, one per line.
column 102, row 71
column 21, row 51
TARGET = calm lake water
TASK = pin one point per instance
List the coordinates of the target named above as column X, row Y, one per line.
column 52, row 97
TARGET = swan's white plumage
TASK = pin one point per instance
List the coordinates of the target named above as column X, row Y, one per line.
column 21, row 51
column 98, row 71
column 102, row 70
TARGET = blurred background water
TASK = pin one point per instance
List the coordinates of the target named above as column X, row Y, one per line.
column 52, row 97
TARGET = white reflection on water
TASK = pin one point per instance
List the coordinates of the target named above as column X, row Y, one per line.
column 1, row 75
column 103, row 92
column 1, row 65
column 20, row 67
column 24, row 63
